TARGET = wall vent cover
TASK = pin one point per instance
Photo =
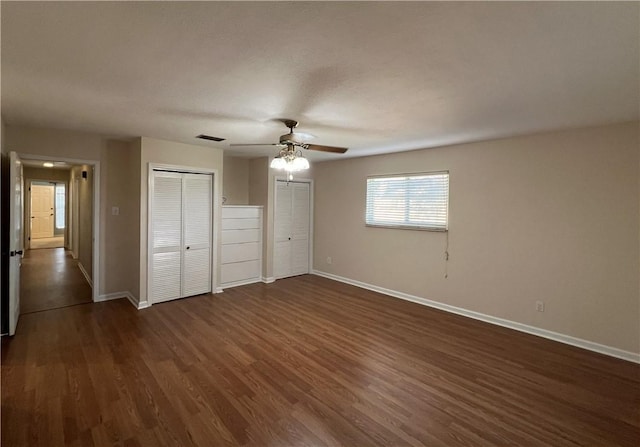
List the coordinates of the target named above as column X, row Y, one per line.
column 210, row 138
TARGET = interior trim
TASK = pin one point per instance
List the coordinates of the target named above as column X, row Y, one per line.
column 87, row 277
column 562, row 338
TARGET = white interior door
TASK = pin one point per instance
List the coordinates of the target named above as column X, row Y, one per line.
column 166, row 224
column 283, row 219
column 197, row 234
column 42, row 219
column 181, row 235
column 292, row 229
column 300, row 229
column 15, row 239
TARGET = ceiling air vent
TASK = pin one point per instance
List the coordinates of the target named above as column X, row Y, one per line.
column 210, row 138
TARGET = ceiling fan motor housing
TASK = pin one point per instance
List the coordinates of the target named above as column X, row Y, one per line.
column 291, row 138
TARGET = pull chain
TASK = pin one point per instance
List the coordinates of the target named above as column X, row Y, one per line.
column 446, row 256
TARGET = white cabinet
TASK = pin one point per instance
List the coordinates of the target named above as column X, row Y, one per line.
column 241, row 245
column 180, row 243
column 292, row 222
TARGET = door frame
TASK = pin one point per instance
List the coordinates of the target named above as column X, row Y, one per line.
column 215, row 211
column 74, row 217
column 311, row 207
column 97, row 236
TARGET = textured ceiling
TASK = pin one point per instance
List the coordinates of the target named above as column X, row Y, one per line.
column 377, row 77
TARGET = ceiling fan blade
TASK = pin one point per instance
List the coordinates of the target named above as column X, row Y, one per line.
column 318, row 147
column 257, row 144
column 304, row 136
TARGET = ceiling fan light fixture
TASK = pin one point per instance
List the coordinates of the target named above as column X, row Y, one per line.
column 278, row 163
column 300, row 163
column 290, row 161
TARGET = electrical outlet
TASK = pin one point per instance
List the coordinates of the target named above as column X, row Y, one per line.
column 540, row 306
column 329, row 260
column 115, row 211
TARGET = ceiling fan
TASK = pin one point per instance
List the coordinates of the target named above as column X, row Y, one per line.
column 290, row 141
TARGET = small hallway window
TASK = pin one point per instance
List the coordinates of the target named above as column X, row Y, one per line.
column 60, row 206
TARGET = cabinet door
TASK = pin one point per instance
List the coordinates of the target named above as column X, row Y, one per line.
column 166, row 224
column 197, row 234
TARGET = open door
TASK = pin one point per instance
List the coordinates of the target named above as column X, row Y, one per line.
column 15, row 238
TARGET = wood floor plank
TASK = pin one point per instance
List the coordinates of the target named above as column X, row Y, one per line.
column 303, row 361
column 50, row 279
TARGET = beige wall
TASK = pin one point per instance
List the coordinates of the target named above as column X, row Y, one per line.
column 45, row 174
column 85, row 217
column 552, row 217
column 121, row 235
column 182, row 155
column 259, row 195
column 236, row 181
column 54, row 143
column 3, row 148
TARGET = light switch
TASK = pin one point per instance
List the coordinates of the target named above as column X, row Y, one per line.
column 115, row 211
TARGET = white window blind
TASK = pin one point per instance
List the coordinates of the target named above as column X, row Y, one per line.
column 416, row 201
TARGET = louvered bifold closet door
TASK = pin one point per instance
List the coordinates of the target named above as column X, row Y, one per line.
column 197, row 234
column 166, row 262
column 300, row 229
column 283, row 221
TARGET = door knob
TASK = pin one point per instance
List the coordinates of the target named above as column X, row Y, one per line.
column 188, row 248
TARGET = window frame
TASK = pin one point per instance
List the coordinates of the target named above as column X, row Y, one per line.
column 399, row 225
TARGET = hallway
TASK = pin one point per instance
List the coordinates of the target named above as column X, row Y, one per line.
column 50, row 279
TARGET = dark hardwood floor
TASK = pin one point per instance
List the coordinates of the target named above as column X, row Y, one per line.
column 49, row 279
column 303, row 362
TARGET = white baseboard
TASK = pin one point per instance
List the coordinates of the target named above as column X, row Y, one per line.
column 268, row 280
column 562, row 338
column 218, row 290
column 128, row 295
column 86, row 275
column 112, row 296
column 244, row 282
column 140, row 304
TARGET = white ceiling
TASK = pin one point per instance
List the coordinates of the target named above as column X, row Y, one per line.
column 40, row 164
column 377, row 77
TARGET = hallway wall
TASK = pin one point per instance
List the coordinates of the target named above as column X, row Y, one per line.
column 85, row 217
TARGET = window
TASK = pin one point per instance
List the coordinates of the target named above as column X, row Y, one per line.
column 60, row 195
column 416, row 201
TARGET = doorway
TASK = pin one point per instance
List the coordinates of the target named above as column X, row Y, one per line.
column 51, row 275
column 292, row 228
column 47, row 219
column 180, row 234
column 47, row 276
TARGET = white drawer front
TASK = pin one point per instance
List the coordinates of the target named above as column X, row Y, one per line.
column 240, row 271
column 240, row 212
column 238, row 236
column 240, row 224
column 240, row 252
